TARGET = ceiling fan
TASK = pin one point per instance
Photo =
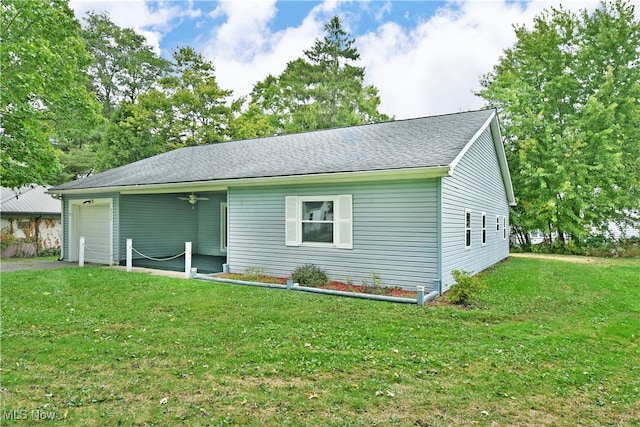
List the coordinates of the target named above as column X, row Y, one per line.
column 193, row 198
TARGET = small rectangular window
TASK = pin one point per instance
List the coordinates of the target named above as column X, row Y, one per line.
column 497, row 223
column 467, row 229
column 484, row 228
column 504, row 227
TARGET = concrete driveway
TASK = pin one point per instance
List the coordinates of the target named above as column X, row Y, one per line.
column 33, row 264
column 39, row 264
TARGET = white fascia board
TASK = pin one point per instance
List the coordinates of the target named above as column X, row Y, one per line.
column 473, row 139
column 223, row 185
column 502, row 160
column 492, row 121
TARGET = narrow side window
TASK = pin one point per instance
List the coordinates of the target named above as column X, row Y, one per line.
column 504, row 227
column 484, row 228
column 467, row 229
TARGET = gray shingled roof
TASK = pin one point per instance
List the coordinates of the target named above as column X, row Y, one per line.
column 414, row 143
column 31, row 199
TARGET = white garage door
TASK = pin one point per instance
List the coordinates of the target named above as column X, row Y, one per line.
column 94, row 223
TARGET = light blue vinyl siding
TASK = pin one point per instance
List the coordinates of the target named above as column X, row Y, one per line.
column 66, row 225
column 160, row 224
column 476, row 185
column 395, row 232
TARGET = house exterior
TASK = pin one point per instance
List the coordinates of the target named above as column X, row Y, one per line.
column 30, row 221
column 410, row 200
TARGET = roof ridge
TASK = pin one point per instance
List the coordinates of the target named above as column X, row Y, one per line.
column 338, row 128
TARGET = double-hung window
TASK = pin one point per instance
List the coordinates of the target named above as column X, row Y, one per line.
column 317, row 221
column 324, row 221
column 484, row 228
column 467, row 228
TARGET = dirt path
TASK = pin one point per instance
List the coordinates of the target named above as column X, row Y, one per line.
column 566, row 258
column 40, row 264
column 33, row 264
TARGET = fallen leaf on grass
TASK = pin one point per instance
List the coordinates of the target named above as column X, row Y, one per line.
column 312, row 396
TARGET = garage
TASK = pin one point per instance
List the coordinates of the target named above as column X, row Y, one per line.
column 92, row 219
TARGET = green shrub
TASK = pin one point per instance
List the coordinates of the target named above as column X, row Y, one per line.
column 6, row 238
column 376, row 287
column 310, row 275
column 466, row 289
column 50, row 252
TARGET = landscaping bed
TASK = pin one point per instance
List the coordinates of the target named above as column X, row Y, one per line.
column 333, row 285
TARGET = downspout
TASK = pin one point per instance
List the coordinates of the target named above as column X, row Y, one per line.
column 439, row 234
column 62, row 240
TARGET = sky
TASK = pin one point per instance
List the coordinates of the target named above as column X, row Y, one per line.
column 425, row 57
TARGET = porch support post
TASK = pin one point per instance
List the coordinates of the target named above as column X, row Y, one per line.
column 129, row 255
column 187, row 260
column 81, row 252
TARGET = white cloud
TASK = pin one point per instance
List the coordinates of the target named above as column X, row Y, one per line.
column 244, row 50
column 435, row 67
column 431, row 68
column 245, row 31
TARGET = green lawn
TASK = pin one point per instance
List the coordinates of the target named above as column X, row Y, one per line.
column 552, row 343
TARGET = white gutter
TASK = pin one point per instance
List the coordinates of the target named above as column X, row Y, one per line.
column 221, row 185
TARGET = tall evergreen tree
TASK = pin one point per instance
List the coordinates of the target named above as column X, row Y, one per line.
column 322, row 90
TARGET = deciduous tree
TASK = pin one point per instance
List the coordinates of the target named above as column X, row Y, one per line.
column 124, row 65
column 201, row 111
column 44, row 88
column 569, row 96
column 187, row 108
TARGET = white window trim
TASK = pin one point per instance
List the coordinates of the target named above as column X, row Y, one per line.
column 484, row 229
column 223, row 226
column 468, row 212
column 342, row 221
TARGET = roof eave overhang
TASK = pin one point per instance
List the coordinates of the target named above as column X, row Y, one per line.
column 9, row 214
column 494, row 126
column 221, row 185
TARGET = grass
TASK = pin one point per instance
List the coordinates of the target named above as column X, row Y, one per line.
column 551, row 343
